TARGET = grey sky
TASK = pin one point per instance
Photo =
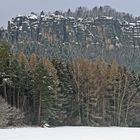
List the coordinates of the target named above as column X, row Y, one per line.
column 11, row 8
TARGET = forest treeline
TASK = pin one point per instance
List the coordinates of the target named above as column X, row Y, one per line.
column 58, row 92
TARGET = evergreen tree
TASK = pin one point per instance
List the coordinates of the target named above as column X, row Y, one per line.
column 66, row 95
column 4, row 56
column 41, row 94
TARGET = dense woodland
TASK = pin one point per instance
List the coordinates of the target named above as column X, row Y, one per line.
column 71, row 68
column 79, row 92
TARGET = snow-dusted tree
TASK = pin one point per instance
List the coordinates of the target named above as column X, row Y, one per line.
column 10, row 116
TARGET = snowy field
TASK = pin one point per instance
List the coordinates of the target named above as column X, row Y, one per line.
column 70, row 133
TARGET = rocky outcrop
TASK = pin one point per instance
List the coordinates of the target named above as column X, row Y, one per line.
column 68, row 35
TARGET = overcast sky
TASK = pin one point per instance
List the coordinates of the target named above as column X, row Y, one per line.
column 11, row 8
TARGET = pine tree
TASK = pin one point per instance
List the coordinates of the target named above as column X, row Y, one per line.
column 33, row 61
column 4, row 56
column 66, row 95
column 23, row 61
column 41, row 94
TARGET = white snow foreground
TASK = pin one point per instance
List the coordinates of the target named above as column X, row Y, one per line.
column 70, row 133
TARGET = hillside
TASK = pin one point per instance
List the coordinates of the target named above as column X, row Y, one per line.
column 71, row 69
column 84, row 33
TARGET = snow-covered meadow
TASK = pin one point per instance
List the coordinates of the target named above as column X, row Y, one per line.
column 70, row 133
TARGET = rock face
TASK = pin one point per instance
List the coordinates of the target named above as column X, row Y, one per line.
column 59, row 28
column 62, row 34
column 53, row 28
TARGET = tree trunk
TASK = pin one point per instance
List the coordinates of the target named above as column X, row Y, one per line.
column 121, row 101
column 39, row 109
column 18, row 98
column 5, row 92
column 14, row 91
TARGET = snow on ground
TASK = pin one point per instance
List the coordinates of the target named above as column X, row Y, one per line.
column 70, row 133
